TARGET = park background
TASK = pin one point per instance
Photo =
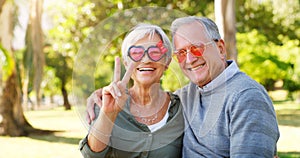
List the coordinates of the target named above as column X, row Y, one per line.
column 41, row 43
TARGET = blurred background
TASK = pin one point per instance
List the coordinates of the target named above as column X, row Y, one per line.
column 54, row 53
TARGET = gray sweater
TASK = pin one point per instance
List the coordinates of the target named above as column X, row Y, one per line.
column 232, row 116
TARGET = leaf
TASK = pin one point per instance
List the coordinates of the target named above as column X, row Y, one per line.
column 8, row 65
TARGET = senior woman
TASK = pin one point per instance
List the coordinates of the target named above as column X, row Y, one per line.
column 143, row 120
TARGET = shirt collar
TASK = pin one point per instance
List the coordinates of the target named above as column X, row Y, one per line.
column 228, row 73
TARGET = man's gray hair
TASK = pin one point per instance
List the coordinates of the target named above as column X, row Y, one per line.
column 210, row 26
column 142, row 30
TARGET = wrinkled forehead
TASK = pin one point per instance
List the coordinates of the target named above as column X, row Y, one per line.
column 191, row 33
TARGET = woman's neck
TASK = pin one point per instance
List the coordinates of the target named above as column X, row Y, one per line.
column 148, row 105
column 146, row 96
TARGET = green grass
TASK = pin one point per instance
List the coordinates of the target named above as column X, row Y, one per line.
column 70, row 129
column 60, row 144
column 289, row 154
column 288, row 116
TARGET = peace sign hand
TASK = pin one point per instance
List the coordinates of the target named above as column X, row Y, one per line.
column 114, row 95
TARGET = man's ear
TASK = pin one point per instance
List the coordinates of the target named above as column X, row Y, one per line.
column 222, row 48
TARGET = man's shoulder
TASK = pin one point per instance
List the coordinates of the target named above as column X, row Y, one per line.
column 243, row 81
column 242, row 84
column 189, row 88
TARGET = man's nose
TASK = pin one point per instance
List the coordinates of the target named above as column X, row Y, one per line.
column 190, row 57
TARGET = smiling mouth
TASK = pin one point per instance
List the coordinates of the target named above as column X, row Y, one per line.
column 197, row 67
column 145, row 69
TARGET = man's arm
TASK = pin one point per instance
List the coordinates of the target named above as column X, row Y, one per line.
column 94, row 99
column 253, row 126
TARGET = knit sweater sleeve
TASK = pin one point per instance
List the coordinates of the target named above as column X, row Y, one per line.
column 253, row 125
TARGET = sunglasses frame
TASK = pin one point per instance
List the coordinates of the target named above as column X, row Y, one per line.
column 188, row 50
column 145, row 52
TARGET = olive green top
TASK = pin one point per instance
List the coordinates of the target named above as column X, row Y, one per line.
column 130, row 138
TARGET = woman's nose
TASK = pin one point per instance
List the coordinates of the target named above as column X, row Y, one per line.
column 145, row 58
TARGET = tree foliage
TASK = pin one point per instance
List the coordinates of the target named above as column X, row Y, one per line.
column 7, row 64
column 69, row 29
column 12, row 120
column 263, row 30
column 73, row 26
column 268, row 41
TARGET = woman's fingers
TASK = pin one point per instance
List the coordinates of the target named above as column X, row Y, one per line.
column 128, row 73
column 117, row 90
column 114, row 97
column 115, row 94
column 117, row 70
column 114, row 89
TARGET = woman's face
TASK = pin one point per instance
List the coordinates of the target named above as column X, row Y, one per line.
column 148, row 71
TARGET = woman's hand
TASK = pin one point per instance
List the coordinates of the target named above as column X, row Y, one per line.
column 114, row 95
column 113, row 100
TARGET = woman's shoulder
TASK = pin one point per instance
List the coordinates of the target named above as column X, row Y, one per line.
column 174, row 98
column 172, row 95
column 175, row 104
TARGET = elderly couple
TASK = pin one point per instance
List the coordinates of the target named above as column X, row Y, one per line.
column 220, row 113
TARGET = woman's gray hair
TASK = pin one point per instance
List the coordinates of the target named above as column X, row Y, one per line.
column 139, row 32
column 210, row 26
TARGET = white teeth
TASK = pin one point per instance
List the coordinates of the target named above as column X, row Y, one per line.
column 146, row 69
column 196, row 68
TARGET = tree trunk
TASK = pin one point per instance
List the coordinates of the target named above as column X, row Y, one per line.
column 12, row 119
column 1, row 4
column 34, row 42
column 25, row 91
column 64, row 92
column 225, row 19
column 13, row 122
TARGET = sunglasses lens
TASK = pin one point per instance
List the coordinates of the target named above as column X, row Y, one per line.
column 181, row 55
column 155, row 54
column 136, row 53
column 197, row 50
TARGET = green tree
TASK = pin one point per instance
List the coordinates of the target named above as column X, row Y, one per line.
column 116, row 8
column 225, row 19
column 34, row 59
column 272, row 18
column 268, row 41
column 63, row 71
column 260, row 60
column 70, row 28
column 13, row 122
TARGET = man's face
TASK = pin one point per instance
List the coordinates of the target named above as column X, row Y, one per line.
column 200, row 70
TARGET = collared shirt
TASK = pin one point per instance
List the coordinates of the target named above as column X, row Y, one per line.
column 232, row 116
column 133, row 139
